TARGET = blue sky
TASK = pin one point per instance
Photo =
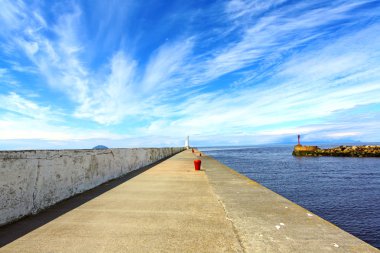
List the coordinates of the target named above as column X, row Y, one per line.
column 74, row 74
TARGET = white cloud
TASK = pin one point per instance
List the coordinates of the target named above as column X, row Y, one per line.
column 11, row 16
column 169, row 89
column 310, row 86
column 3, row 71
column 344, row 134
column 16, row 128
column 110, row 95
column 113, row 98
column 244, row 9
column 166, row 65
column 26, row 120
column 17, row 104
column 270, row 36
column 57, row 60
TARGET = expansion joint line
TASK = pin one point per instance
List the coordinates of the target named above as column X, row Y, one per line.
column 236, row 232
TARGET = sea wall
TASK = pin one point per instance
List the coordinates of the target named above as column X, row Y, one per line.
column 34, row 180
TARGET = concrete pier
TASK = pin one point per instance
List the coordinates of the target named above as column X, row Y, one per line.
column 173, row 208
column 33, row 180
column 267, row 222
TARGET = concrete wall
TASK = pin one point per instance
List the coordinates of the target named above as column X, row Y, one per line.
column 33, row 180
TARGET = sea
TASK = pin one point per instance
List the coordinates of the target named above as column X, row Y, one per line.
column 342, row 190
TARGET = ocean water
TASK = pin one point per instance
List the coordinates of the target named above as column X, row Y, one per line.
column 342, row 190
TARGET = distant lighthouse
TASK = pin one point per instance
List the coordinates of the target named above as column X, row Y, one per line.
column 187, row 146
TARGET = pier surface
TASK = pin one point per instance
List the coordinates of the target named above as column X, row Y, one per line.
column 172, row 208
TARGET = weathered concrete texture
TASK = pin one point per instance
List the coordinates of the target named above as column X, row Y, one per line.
column 173, row 208
column 267, row 222
column 168, row 208
column 33, row 180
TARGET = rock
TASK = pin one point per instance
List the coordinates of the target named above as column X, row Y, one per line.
column 347, row 151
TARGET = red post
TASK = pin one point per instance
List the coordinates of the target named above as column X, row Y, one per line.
column 197, row 164
column 200, row 154
column 299, row 137
column 192, row 150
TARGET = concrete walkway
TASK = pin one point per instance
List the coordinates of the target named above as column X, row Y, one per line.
column 172, row 208
column 168, row 208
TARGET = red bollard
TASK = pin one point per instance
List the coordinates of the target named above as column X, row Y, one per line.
column 200, row 154
column 192, row 150
column 197, row 164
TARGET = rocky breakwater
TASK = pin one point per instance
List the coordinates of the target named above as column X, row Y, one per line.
column 345, row 151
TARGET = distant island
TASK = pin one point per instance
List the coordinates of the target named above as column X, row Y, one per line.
column 100, row 147
column 343, row 151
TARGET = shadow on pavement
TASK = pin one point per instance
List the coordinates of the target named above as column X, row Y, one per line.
column 17, row 229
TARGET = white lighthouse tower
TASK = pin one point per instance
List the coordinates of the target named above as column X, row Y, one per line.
column 187, row 143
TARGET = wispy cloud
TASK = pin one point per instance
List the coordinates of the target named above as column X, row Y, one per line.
column 166, row 65
column 112, row 99
column 2, row 72
column 236, row 9
column 24, row 119
column 274, row 68
column 310, row 85
column 16, row 104
column 266, row 39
